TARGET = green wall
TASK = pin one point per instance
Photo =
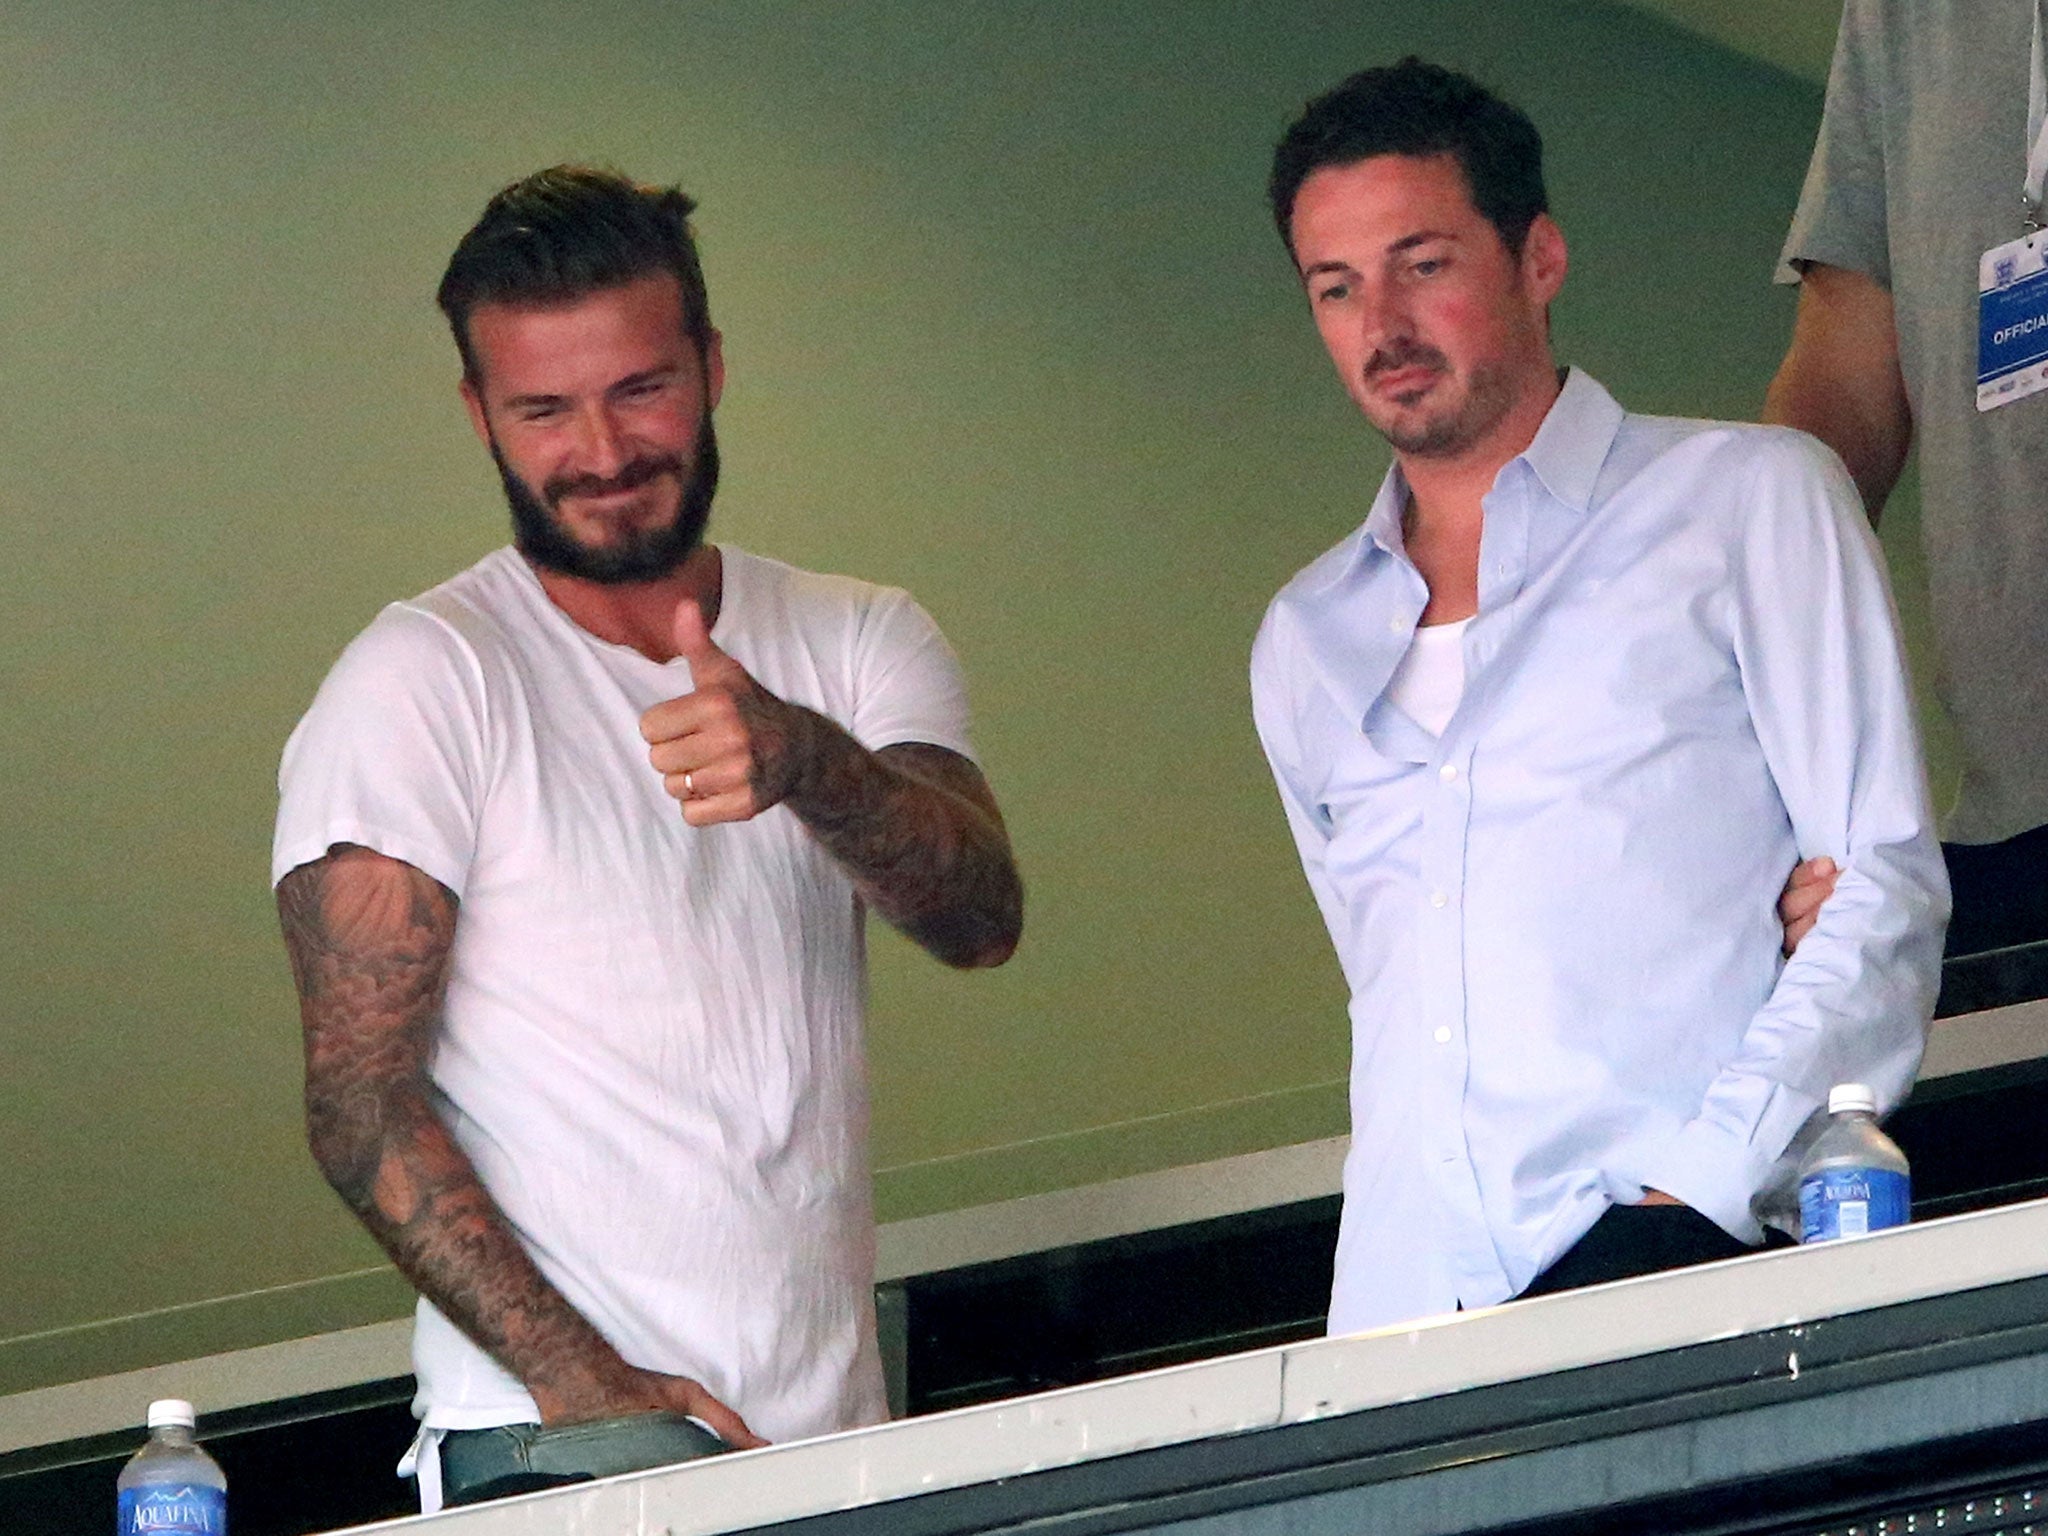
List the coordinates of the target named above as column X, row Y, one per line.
column 1005, row 324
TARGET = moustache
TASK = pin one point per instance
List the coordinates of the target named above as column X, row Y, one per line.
column 1404, row 354
column 634, row 474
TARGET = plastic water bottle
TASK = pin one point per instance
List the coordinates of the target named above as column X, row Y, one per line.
column 171, row 1487
column 1854, row 1178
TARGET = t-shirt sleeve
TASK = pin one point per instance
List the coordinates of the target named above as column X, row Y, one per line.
column 1842, row 220
column 391, row 755
column 908, row 684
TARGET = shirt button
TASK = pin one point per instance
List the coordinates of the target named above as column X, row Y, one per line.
column 1442, row 1035
column 1395, row 626
column 1448, row 772
column 1438, row 899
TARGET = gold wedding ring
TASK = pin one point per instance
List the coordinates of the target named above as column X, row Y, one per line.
column 689, row 788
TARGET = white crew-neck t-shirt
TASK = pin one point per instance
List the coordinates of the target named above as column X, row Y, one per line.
column 652, row 1040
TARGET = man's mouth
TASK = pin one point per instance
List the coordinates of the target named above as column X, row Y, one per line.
column 603, row 498
column 1404, row 372
column 1404, row 385
column 611, row 491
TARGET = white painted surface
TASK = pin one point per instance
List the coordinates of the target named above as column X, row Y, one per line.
column 238, row 1379
column 891, row 1461
column 1659, row 1312
column 1289, row 1384
column 1145, row 1202
column 969, row 1445
column 1997, row 1037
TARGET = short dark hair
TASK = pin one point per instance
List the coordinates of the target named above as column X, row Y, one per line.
column 566, row 232
column 1417, row 108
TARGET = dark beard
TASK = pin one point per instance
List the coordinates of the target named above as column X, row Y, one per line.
column 1442, row 436
column 646, row 556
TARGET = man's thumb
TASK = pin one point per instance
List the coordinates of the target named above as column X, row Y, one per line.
column 693, row 636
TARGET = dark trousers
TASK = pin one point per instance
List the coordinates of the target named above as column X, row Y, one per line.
column 1641, row 1240
column 2001, row 892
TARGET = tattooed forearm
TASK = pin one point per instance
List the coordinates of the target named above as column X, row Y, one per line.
column 369, row 939
column 916, row 827
column 914, row 824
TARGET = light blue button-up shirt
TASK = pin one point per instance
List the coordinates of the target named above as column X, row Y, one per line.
column 1558, row 921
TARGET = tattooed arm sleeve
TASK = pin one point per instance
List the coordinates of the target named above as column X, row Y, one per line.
column 917, row 828
column 369, row 938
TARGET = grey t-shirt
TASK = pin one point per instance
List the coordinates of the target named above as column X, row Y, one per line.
column 1916, row 173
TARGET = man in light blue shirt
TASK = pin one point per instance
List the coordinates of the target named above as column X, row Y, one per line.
column 1549, row 729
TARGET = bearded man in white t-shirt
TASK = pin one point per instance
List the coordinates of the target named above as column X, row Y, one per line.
column 572, row 858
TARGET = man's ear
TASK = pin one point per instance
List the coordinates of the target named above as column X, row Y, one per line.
column 1544, row 259
column 714, row 368
column 474, row 403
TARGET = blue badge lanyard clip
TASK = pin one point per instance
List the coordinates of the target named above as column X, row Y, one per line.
column 2037, row 130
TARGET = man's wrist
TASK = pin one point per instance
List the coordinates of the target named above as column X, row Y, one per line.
column 593, row 1390
column 824, row 771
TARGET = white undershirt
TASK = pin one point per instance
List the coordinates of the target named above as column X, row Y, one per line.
column 1430, row 680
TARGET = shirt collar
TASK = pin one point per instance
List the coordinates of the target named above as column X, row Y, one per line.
column 1566, row 455
column 1383, row 523
column 1572, row 444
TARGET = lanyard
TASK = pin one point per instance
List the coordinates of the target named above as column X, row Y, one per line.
column 2037, row 128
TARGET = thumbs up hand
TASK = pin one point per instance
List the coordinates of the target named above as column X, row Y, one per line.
column 709, row 666
column 728, row 749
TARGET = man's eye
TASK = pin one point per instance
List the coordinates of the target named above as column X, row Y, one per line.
column 1428, row 266
column 649, row 391
column 1331, row 293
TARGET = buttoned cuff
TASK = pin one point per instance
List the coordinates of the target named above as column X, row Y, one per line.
column 1719, row 1168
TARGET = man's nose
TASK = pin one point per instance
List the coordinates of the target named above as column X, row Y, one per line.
column 1383, row 321
column 600, row 445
